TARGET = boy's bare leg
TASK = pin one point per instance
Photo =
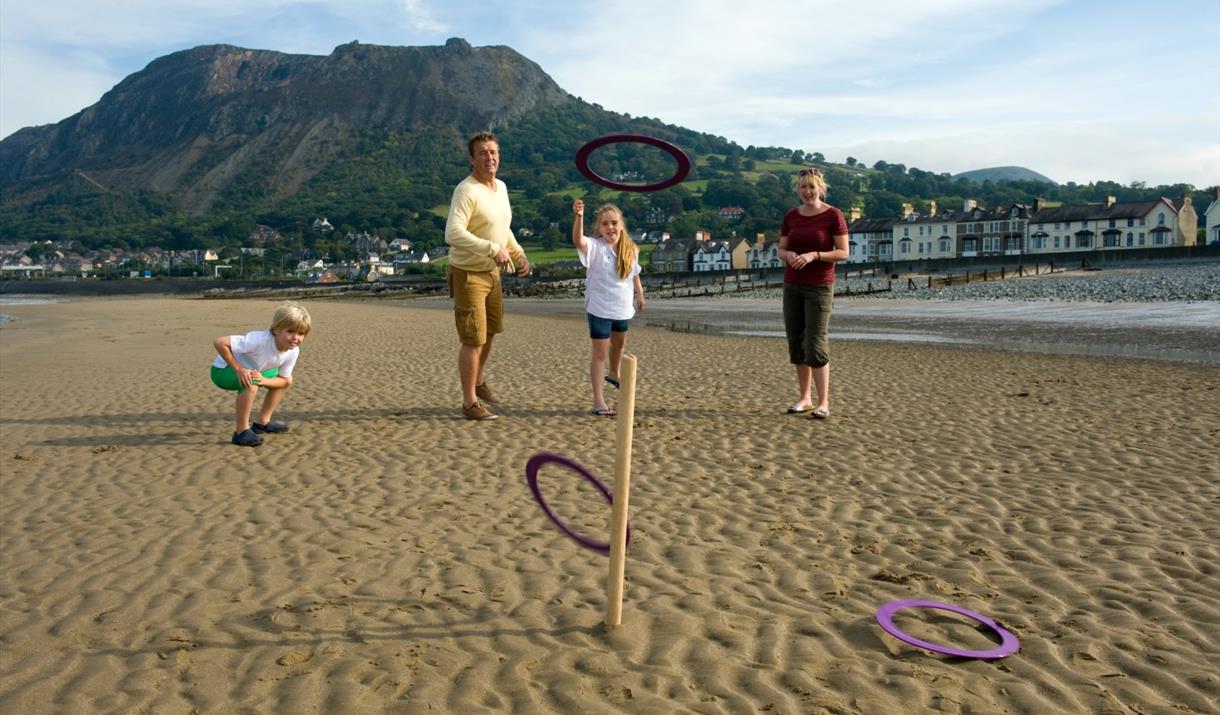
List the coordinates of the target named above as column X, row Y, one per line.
column 245, row 402
column 270, row 402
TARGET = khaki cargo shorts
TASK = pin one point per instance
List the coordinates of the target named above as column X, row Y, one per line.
column 478, row 304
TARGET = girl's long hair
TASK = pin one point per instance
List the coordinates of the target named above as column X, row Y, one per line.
column 624, row 248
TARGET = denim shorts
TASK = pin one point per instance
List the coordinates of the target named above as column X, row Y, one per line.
column 599, row 328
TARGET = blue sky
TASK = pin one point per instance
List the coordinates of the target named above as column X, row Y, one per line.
column 1079, row 90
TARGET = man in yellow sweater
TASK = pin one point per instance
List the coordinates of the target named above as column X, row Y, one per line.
column 481, row 244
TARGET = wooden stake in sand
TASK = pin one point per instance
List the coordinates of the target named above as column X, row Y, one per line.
column 622, row 491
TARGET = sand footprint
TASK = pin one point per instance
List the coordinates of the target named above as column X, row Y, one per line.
column 295, row 657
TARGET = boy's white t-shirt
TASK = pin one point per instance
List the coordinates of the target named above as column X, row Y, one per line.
column 256, row 350
column 607, row 295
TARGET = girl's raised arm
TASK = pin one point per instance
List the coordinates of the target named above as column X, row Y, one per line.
column 578, row 225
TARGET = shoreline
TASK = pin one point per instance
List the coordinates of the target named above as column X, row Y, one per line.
column 1131, row 311
column 1165, row 331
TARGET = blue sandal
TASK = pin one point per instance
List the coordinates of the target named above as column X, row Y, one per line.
column 247, row 439
column 269, row 428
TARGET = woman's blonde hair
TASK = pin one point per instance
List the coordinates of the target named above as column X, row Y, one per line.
column 812, row 177
column 624, row 247
column 291, row 315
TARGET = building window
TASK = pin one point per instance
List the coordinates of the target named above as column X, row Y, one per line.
column 1111, row 223
column 944, row 245
column 1160, row 219
column 1130, row 222
column 1056, row 242
column 1083, row 241
column 1130, row 239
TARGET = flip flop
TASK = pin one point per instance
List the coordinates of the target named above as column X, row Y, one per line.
column 612, row 381
column 820, row 413
column 603, row 412
column 799, row 408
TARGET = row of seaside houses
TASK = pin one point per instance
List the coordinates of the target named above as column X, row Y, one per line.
column 1015, row 230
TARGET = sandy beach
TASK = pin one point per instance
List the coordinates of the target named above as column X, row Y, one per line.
column 386, row 556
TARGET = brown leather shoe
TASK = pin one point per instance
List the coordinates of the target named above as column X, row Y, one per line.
column 478, row 412
column 485, row 394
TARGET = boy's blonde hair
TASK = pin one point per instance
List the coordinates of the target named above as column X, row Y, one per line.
column 291, row 315
column 625, row 248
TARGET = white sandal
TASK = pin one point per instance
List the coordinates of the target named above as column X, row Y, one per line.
column 820, row 413
column 799, row 408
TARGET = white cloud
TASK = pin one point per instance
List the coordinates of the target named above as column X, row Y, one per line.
column 421, row 18
column 943, row 84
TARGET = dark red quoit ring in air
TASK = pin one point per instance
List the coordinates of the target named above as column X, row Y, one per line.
column 582, row 162
column 531, row 475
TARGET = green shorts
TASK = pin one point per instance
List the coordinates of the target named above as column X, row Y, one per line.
column 226, row 379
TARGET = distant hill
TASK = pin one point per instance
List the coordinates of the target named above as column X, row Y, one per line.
column 1003, row 173
column 221, row 127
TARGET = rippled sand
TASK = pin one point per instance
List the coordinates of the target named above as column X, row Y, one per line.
column 386, row 555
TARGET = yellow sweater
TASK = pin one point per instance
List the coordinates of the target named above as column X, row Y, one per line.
column 478, row 226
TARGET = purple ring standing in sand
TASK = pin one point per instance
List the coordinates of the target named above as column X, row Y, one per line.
column 531, row 475
column 582, row 162
column 1008, row 642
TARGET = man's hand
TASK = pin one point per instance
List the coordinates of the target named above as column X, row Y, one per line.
column 523, row 270
column 504, row 260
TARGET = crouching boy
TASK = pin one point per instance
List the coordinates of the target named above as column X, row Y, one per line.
column 262, row 358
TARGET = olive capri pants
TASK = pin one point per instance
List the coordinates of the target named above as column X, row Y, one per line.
column 807, row 323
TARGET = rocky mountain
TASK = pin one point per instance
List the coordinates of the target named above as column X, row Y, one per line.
column 1003, row 173
column 192, row 123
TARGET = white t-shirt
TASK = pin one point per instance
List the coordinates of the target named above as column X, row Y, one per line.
column 607, row 295
column 256, row 350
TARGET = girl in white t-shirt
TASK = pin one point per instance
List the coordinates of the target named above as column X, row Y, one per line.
column 612, row 271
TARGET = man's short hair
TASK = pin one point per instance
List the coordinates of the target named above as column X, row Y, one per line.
column 479, row 139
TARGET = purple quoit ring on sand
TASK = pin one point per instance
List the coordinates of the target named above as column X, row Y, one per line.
column 1008, row 642
column 582, row 162
column 531, row 475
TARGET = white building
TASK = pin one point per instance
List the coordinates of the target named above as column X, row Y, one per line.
column 1211, row 219
column 1108, row 226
